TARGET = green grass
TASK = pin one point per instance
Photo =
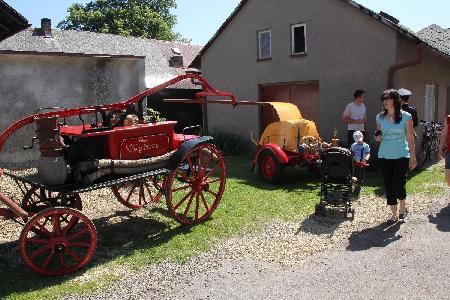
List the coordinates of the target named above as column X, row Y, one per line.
column 248, row 204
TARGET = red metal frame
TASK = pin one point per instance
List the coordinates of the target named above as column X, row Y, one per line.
column 207, row 90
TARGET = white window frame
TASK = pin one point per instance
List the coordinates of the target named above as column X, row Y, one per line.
column 430, row 102
column 293, row 38
column 260, row 33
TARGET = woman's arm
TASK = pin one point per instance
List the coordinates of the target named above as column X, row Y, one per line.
column 378, row 138
column 443, row 140
column 411, row 144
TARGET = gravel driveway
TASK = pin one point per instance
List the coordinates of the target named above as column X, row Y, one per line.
column 322, row 257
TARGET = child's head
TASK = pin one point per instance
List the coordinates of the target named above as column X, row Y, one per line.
column 358, row 137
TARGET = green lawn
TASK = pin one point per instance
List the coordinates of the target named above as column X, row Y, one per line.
column 248, row 204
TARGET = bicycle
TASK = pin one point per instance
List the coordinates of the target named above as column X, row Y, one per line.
column 430, row 142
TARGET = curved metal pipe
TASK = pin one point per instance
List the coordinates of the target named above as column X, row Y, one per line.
column 420, row 54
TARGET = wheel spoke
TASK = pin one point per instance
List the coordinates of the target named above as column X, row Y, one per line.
column 73, row 254
column 184, row 176
column 152, row 199
column 61, row 261
column 37, row 241
column 182, row 200
column 211, row 171
column 197, row 202
column 189, row 204
column 40, row 229
column 200, row 169
column 191, row 166
column 214, row 180
column 184, row 187
column 80, row 244
column 212, row 193
column 56, row 224
column 73, row 221
column 77, row 234
column 48, row 260
column 40, row 251
column 204, row 202
column 131, row 193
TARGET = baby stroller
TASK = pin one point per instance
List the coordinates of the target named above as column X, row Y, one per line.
column 336, row 181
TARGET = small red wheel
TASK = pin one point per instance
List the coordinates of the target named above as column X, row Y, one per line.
column 196, row 187
column 138, row 193
column 269, row 167
column 38, row 199
column 58, row 241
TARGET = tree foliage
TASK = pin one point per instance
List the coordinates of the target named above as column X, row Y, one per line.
column 139, row 18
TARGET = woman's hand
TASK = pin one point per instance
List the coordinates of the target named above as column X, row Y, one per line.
column 412, row 163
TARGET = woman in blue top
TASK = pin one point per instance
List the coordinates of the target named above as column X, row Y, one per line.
column 397, row 152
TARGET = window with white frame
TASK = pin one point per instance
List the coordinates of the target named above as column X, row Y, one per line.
column 298, row 39
column 264, row 44
column 430, row 102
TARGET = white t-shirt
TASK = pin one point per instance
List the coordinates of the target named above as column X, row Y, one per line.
column 355, row 112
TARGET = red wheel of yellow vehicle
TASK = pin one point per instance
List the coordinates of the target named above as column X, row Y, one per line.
column 269, row 167
column 138, row 193
column 38, row 199
column 197, row 185
column 58, row 241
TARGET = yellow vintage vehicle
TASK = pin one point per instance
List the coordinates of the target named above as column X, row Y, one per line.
column 290, row 140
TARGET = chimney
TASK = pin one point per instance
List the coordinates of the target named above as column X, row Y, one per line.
column 176, row 61
column 46, row 27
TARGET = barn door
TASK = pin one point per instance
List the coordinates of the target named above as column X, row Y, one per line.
column 305, row 95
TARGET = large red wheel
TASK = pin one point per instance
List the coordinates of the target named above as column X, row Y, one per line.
column 196, row 187
column 38, row 199
column 58, row 241
column 138, row 193
column 270, row 168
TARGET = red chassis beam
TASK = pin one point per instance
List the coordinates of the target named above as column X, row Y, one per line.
column 207, row 90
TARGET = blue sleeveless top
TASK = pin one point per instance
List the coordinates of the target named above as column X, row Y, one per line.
column 394, row 144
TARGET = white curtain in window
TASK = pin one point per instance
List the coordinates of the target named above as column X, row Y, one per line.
column 430, row 102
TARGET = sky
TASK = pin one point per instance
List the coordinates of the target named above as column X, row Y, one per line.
column 198, row 20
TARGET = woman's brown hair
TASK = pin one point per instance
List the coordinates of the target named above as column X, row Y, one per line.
column 394, row 95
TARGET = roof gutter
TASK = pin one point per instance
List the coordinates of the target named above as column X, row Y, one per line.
column 420, row 54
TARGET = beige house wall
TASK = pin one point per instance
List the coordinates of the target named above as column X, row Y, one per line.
column 347, row 50
column 434, row 70
column 28, row 82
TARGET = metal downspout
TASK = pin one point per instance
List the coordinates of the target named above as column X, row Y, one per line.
column 420, row 54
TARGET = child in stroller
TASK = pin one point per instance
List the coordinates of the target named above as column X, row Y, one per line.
column 336, row 181
column 361, row 155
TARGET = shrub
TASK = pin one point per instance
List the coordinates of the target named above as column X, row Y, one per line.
column 228, row 143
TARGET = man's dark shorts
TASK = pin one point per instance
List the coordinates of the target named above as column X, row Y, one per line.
column 447, row 161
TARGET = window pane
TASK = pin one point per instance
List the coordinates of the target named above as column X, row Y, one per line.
column 299, row 39
column 265, row 45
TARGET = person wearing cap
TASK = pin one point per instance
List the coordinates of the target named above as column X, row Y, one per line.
column 355, row 116
column 361, row 154
column 444, row 147
column 404, row 97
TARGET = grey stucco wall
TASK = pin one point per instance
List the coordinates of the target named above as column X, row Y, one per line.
column 28, row 82
column 347, row 50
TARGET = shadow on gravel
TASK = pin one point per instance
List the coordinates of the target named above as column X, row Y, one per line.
column 326, row 224
column 119, row 235
column 375, row 237
column 441, row 219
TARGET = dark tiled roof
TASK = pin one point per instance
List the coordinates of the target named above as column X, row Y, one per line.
column 84, row 43
column 383, row 19
column 11, row 21
column 437, row 37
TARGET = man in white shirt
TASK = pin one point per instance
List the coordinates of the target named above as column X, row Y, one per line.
column 355, row 116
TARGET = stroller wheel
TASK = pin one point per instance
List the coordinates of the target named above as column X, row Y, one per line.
column 319, row 210
column 350, row 213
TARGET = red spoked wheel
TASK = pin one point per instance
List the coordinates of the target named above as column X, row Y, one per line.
column 38, row 199
column 138, row 193
column 58, row 241
column 269, row 167
column 196, row 187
